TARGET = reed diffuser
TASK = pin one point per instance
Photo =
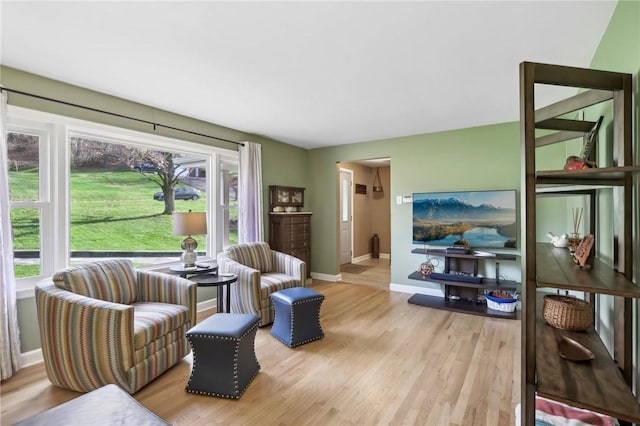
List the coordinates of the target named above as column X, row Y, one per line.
column 574, row 238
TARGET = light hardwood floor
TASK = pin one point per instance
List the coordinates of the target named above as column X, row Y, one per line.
column 382, row 361
column 378, row 276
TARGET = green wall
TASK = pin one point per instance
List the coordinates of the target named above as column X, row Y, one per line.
column 479, row 158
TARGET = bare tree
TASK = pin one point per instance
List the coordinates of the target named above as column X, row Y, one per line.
column 96, row 153
column 165, row 175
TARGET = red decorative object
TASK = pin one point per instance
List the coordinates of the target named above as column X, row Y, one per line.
column 583, row 251
column 576, row 163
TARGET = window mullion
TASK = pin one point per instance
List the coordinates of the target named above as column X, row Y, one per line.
column 56, row 226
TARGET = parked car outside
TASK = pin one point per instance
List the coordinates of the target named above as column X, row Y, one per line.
column 180, row 193
column 145, row 167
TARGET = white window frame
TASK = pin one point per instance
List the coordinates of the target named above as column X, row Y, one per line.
column 55, row 179
column 44, row 204
column 221, row 205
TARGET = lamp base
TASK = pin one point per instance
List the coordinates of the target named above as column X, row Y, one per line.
column 189, row 256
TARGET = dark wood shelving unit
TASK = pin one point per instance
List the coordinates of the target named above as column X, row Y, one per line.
column 596, row 385
column 602, row 384
column 609, row 176
column 486, row 284
column 561, row 272
column 471, row 255
column 462, row 306
column 469, row 302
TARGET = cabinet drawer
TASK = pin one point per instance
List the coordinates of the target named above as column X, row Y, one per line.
column 300, row 219
column 298, row 227
column 290, row 245
column 298, row 234
column 302, row 254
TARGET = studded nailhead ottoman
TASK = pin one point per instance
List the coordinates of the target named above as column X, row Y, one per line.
column 297, row 316
column 224, row 358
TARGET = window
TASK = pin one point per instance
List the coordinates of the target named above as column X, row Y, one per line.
column 26, row 150
column 118, row 207
column 228, row 201
column 345, row 205
column 81, row 190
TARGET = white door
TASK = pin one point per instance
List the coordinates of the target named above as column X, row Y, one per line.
column 346, row 230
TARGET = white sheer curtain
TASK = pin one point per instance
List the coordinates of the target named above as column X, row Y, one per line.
column 250, row 226
column 9, row 333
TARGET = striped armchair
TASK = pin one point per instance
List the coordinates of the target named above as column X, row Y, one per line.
column 106, row 322
column 261, row 271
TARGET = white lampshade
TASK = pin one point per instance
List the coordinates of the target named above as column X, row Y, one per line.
column 190, row 223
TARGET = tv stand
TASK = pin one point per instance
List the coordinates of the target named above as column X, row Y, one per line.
column 462, row 295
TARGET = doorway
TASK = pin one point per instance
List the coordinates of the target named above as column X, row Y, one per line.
column 346, row 216
column 363, row 210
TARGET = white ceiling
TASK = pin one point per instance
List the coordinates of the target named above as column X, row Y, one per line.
column 310, row 74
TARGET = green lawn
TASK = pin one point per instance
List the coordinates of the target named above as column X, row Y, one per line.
column 110, row 210
column 116, row 211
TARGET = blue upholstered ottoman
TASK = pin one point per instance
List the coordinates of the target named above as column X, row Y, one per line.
column 224, row 358
column 297, row 316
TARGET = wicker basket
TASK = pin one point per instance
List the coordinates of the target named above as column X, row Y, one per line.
column 500, row 303
column 567, row 312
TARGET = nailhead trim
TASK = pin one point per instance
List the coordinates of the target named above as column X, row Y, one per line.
column 211, row 335
column 308, row 299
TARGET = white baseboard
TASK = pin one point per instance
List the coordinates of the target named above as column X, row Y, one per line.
column 369, row 256
column 32, row 357
column 326, row 277
column 411, row 289
column 361, row 258
column 205, row 305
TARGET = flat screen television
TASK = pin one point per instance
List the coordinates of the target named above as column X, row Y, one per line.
column 485, row 219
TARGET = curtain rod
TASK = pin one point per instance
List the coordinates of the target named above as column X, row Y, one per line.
column 115, row 114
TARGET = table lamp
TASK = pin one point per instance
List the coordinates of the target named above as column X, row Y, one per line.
column 190, row 223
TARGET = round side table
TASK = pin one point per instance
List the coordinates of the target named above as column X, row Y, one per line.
column 195, row 270
column 216, row 280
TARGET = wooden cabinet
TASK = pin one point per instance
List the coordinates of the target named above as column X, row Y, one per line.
column 291, row 233
column 461, row 296
column 604, row 384
column 286, row 196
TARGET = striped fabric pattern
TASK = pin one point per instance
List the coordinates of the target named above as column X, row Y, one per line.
column 152, row 320
column 290, row 265
column 275, row 281
column 245, row 292
column 255, row 255
column 158, row 287
column 88, row 343
column 163, row 342
column 251, row 293
column 160, row 361
column 96, row 280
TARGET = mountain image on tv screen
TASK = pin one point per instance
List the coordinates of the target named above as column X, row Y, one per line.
column 484, row 219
